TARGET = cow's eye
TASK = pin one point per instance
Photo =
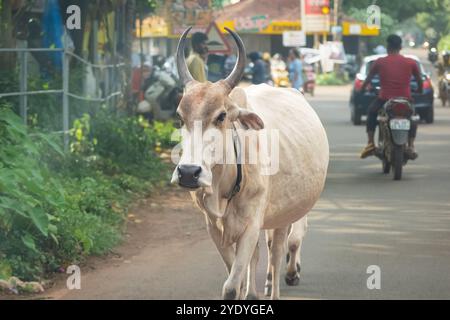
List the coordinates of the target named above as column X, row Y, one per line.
column 221, row 118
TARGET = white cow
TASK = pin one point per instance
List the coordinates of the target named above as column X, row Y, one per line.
column 239, row 200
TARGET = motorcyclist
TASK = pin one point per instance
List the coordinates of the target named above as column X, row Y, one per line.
column 395, row 72
column 444, row 65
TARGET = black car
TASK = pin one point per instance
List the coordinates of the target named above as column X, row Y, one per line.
column 360, row 101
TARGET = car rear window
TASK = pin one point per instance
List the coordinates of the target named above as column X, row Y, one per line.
column 366, row 67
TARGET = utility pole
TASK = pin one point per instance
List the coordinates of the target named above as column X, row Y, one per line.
column 336, row 35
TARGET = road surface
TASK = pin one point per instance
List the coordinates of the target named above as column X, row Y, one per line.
column 364, row 218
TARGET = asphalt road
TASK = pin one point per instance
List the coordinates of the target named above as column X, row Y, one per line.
column 364, row 218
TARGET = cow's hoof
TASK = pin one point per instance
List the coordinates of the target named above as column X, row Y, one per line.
column 230, row 294
column 252, row 297
column 268, row 290
column 292, row 279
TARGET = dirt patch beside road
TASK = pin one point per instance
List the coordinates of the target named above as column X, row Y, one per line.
column 168, row 219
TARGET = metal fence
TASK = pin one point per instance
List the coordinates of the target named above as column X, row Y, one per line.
column 110, row 91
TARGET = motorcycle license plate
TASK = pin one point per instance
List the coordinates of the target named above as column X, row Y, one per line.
column 400, row 124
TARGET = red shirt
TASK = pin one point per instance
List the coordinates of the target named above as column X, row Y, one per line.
column 395, row 73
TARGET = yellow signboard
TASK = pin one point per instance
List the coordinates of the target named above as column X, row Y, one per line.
column 358, row 29
column 259, row 26
column 152, row 27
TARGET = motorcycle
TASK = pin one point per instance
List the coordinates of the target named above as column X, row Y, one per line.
column 444, row 88
column 395, row 121
column 433, row 55
column 163, row 92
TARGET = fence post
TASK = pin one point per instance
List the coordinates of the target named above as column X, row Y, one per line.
column 24, row 86
column 65, row 88
column 107, row 89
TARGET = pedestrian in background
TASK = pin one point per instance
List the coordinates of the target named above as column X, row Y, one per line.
column 196, row 62
column 295, row 69
column 266, row 59
column 258, row 69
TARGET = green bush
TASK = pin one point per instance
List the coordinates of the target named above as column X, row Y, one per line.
column 29, row 197
column 56, row 208
column 444, row 43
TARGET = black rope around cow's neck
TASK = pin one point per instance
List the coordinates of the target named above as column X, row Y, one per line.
column 237, row 152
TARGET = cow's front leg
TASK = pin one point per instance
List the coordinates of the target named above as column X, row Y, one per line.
column 276, row 256
column 252, row 293
column 245, row 248
column 227, row 251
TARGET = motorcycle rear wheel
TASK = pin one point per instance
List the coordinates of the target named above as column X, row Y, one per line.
column 444, row 99
column 386, row 166
column 397, row 157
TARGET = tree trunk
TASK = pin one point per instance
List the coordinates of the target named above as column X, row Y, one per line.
column 129, row 23
column 6, row 35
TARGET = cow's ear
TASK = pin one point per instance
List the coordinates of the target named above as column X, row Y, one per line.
column 237, row 110
column 239, row 97
column 250, row 120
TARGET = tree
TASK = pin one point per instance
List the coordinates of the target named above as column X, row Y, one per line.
column 431, row 15
column 435, row 21
column 6, row 33
column 388, row 25
column 144, row 8
column 11, row 12
column 398, row 10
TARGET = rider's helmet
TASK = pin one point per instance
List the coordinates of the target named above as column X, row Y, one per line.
column 446, row 56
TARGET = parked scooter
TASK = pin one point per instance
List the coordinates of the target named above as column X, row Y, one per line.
column 163, row 91
column 395, row 119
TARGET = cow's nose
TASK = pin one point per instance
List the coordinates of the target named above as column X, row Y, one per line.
column 188, row 176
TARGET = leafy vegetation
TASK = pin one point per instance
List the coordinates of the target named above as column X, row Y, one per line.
column 56, row 208
column 388, row 25
column 430, row 15
column 331, row 79
column 444, row 44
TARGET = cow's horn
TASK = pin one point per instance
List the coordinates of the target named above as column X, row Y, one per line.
column 238, row 71
column 183, row 71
